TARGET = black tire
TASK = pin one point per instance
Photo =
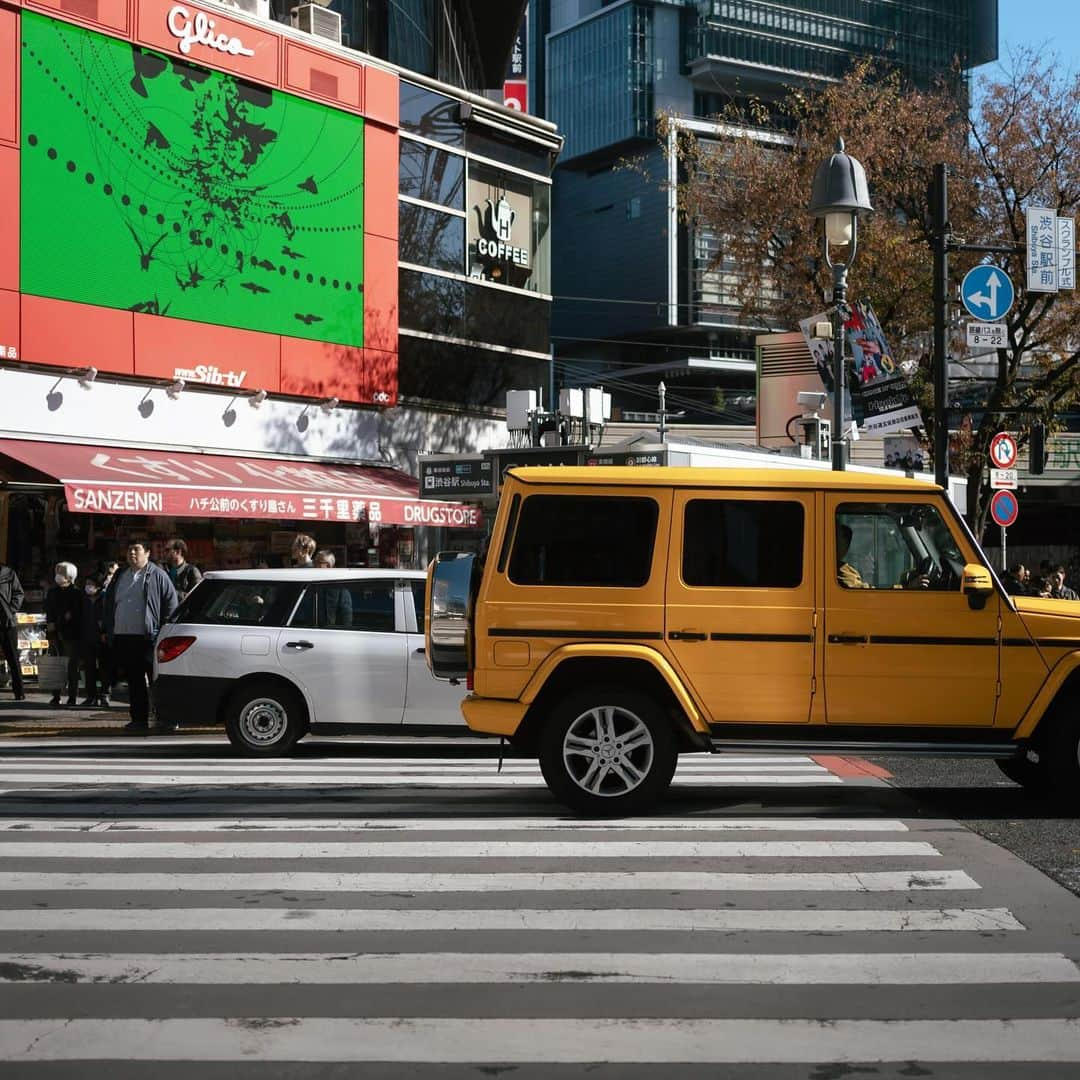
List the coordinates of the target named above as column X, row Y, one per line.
column 265, row 719
column 1063, row 756
column 1032, row 776
column 584, row 762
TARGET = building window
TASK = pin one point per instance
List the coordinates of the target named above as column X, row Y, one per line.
column 431, row 238
column 509, row 228
column 633, row 208
column 431, row 115
column 432, row 175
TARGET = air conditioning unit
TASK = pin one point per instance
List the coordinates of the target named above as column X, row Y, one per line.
column 259, row 8
column 319, row 21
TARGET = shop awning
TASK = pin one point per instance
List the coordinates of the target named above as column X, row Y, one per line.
column 118, row 480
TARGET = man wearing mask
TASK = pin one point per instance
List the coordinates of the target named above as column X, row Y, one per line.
column 11, row 599
column 139, row 599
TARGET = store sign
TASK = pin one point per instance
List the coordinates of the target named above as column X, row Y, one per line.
column 500, row 232
column 112, row 480
column 211, row 375
column 498, row 227
column 198, row 29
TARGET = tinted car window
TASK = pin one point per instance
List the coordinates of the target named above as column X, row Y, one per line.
column 418, row 586
column 348, row 605
column 584, row 540
column 239, row 603
column 743, row 543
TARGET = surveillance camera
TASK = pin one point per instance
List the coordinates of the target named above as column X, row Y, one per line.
column 814, row 399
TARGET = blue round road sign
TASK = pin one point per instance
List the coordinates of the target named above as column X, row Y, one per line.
column 1004, row 508
column 987, row 293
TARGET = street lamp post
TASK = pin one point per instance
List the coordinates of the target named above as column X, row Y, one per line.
column 839, row 196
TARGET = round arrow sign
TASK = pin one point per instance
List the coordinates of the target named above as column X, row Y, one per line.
column 987, row 293
column 1004, row 508
column 1003, row 450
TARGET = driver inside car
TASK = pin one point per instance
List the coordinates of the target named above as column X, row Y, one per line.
column 850, row 578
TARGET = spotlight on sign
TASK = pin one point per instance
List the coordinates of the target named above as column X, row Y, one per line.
column 329, row 405
column 175, row 388
column 256, row 399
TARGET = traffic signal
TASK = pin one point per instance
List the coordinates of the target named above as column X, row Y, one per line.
column 1037, row 450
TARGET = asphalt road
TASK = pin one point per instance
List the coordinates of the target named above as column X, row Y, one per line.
column 977, row 794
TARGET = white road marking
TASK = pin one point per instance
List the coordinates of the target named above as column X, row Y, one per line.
column 801, row 920
column 469, row 849
column 138, row 880
column 492, row 1041
column 684, row 969
column 692, row 823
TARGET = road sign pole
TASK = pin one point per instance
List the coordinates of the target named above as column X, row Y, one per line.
column 1004, row 557
column 941, row 294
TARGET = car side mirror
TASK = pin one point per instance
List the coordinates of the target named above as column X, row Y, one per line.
column 977, row 585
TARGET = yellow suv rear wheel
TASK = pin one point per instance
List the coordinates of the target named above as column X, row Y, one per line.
column 607, row 750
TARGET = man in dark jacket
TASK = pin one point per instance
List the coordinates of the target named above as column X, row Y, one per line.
column 11, row 598
column 183, row 574
column 139, row 599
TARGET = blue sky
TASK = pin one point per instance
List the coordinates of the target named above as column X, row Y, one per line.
column 1054, row 23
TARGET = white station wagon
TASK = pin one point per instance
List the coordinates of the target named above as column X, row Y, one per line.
column 274, row 654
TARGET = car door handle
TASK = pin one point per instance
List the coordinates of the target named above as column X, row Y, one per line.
column 848, row 639
column 420, row 651
column 687, row 635
column 299, row 646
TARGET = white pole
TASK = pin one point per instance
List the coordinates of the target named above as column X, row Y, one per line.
column 1004, row 561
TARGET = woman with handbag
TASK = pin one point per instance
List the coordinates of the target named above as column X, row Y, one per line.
column 63, row 624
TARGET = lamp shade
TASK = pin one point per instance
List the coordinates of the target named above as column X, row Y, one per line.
column 840, row 185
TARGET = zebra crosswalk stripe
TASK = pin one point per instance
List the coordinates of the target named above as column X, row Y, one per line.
column 791, row 903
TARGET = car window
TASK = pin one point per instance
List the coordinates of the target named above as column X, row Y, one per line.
column 743, row 543
column 348, row 605
column 239, row 603
column 584, row 540
column 896, row 546
column 418, row 586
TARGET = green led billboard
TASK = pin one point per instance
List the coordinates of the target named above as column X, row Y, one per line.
column 152, row 184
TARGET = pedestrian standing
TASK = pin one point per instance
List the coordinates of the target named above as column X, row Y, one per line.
column 140, row 598
column 11, row 599
column 91, row 653
column 63, row 624
column 302, row 550
column 106, row 660
column 182, row 574
column 1058, row 589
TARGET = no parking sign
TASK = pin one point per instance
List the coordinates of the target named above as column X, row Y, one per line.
column 1004, row 508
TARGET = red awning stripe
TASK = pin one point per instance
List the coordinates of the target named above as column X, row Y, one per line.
column 104, row 480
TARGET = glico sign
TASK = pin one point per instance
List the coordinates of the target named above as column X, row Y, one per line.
column 198, row 29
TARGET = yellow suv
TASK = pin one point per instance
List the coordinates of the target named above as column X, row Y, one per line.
column 623, row 615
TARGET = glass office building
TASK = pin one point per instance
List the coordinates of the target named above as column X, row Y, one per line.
column 631, row 286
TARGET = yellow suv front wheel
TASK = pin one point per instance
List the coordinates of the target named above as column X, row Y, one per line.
column 607, row 750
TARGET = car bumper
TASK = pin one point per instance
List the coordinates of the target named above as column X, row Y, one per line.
column 188, row 700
